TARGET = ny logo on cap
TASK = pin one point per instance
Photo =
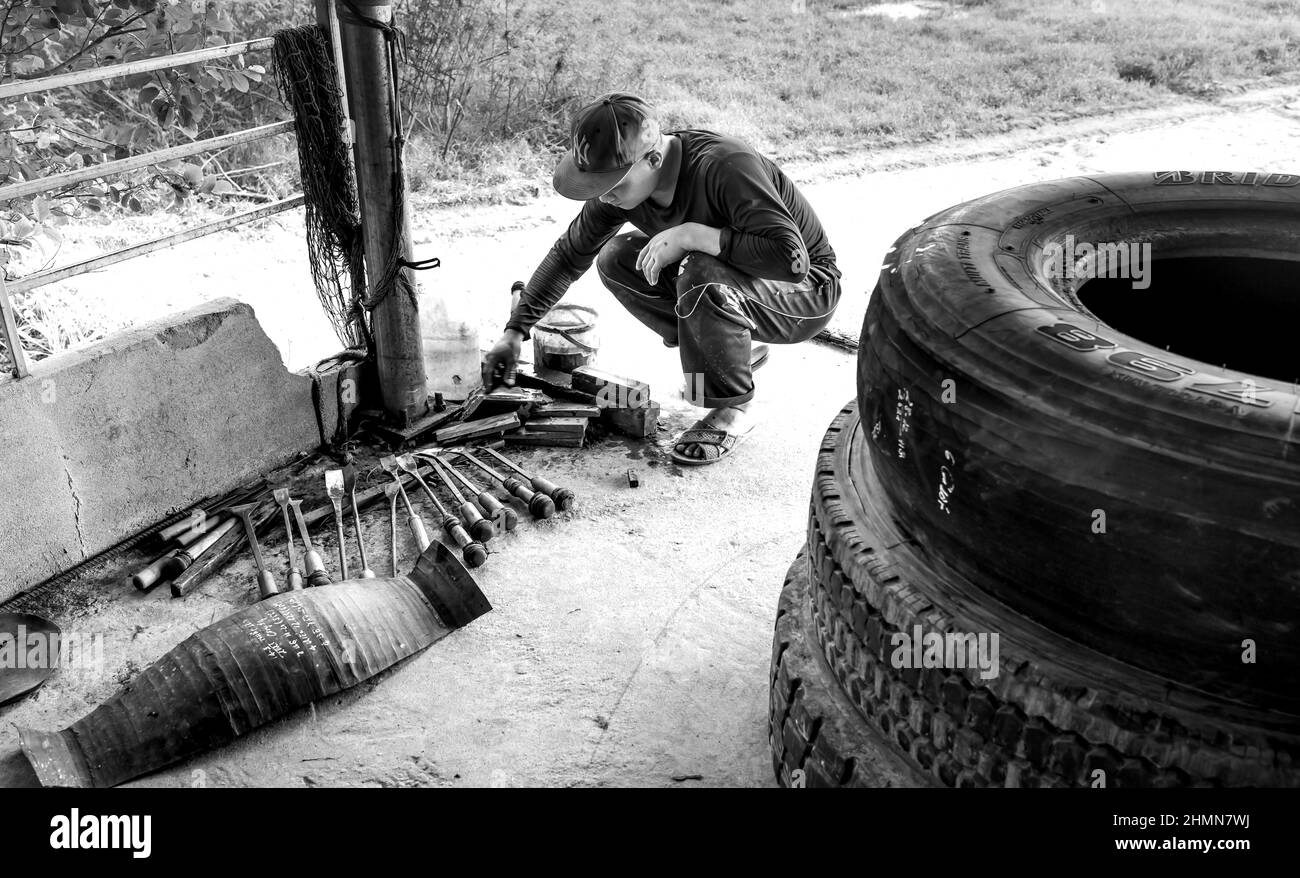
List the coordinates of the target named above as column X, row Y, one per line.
column 581, row 146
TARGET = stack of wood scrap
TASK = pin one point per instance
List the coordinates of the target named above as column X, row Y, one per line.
column 545, row 408
column 625, row 403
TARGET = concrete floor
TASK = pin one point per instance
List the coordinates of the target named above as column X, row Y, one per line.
column 630, row 638
column 628, row 645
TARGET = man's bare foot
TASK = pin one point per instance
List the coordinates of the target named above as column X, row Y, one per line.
column 732, row 418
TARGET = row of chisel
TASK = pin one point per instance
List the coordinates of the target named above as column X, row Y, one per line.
column 478, row 516
column 207, row 539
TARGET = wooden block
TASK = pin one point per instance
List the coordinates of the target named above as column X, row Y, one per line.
column 610, row 390
column 638, row 422
column 510, row 399
column 557, row 425
column 555, row 384
column 526, row 436
column 633, row 480
column 397, row 436
column 566, row 410
column 476, row 429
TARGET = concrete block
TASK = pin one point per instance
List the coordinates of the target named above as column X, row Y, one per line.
column 102, row 442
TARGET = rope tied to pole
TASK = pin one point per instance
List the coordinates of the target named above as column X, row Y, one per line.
column 395, row 275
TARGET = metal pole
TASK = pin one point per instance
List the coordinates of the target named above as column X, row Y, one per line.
column 9, row 326
column 395, row 321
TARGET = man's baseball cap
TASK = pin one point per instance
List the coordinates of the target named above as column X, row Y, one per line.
column 608, row 137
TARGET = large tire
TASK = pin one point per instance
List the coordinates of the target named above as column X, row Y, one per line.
column 1140, row 502
column 1055, row 714
column 816, row 736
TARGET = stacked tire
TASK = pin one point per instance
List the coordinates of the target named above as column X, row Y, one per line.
column 1124, row 518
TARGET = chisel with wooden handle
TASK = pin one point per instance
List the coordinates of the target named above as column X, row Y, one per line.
column 421, row 535
column 472, row 550
column 540, row 505
column 563, row 497
column 316, row 573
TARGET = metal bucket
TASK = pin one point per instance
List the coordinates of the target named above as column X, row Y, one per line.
column 565, row 338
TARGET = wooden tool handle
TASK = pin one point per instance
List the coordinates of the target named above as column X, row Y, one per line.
column 539, row 505
column 563, row 497
column 421, row 535
column 150, row 576
column 472, row 550
column 517, row 487
column 221, row 550
column 316, row 573
column 478, row 527
column 266, row 586
column 494, row 509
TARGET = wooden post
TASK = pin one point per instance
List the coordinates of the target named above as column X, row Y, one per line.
column 395, row 321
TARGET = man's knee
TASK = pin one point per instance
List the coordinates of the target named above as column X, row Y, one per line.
column 618, row 256
column 697, row 268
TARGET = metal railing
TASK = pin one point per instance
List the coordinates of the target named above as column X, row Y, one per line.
column 11, row 90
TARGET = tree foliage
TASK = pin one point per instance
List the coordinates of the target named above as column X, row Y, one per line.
column 63, row 129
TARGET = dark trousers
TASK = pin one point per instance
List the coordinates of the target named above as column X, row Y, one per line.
column 713, row 312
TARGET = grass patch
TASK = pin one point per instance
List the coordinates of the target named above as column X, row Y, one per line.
column 811, row 79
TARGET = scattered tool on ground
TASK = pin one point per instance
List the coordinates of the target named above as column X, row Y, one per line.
column 152, row 575
column 474, row 552
column 334, row 487
column 390, row 491
column 217, row 549
column 266, row 586
column 185, row 558
column 493, row 509
column 207, row 516
column 633, row 480
column 350, row 485
column 316, row 573
column 389, row 464
column 479, row 527
column 295, row 575
column 540, row 505
column 563, row 497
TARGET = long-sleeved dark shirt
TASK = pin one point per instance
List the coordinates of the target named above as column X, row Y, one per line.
column 768, row 228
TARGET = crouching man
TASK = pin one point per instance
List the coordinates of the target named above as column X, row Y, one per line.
column 728, row 256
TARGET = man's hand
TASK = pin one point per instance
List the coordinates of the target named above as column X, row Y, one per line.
column 671, row 245
column 500, row 362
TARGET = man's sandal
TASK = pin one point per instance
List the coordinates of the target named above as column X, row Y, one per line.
column 716, row 444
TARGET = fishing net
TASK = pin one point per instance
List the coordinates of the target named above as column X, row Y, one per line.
column 305, row 70
column 308, row 83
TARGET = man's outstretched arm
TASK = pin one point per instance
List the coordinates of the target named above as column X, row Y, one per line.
column 566, row 261
column 569, row 257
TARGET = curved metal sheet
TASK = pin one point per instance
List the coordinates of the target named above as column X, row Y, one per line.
column 256, row 666
column 29, row 653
